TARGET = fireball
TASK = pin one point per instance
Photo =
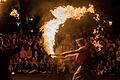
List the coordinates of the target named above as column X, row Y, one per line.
column 61, row 14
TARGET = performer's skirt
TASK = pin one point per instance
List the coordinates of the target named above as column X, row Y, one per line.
column 84, row 73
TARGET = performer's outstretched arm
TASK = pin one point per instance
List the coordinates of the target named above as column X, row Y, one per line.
column 70, row 52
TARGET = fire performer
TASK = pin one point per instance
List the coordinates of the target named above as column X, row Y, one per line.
column 83, row 60
column 5, row 54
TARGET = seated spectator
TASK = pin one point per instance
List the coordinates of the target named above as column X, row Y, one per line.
column 42, row 67
column 100, row 68
column 22, row 53
column 27, row 65
column 107, row 68
column 29, row 53
column 113, row 67
column 33, row 64
column 60, row 66
column 20, row 65
column 118, row 59
column 50, row 65
column 111, row 54
column 11, row 69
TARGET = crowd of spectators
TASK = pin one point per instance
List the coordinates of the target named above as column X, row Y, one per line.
column 109, row 57
column 33, row 58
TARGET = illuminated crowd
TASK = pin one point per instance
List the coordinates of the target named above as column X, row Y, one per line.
column 109, row 57
column 33, row 58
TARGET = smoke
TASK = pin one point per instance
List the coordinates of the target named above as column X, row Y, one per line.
column 42, row 8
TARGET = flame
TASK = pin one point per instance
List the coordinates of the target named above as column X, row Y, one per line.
column 97, row 34
column 97, row 44
column 97, row 17
column 61, row 14
column 14, row 13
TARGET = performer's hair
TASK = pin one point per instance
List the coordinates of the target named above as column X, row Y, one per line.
column 81, row 41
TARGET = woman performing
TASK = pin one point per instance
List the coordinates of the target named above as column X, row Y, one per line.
column 83, row 60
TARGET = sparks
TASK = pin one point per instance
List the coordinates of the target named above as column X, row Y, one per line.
column 14, row 13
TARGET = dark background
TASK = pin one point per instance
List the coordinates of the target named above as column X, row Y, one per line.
column 109, row 9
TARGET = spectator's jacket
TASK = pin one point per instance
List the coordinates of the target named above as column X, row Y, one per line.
column 5, row 61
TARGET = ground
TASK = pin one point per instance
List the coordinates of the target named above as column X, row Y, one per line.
column 41, row 76
column 54, row 76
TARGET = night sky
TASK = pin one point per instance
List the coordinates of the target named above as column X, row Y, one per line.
column 109, row 9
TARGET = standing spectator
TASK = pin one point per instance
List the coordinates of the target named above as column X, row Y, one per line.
column 5, row 61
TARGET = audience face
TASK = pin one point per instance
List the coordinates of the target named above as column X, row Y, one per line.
column 5, row 40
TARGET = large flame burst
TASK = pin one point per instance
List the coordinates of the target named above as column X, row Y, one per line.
column 61, row 14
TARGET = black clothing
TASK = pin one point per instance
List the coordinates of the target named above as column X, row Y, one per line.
column 5, row 62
